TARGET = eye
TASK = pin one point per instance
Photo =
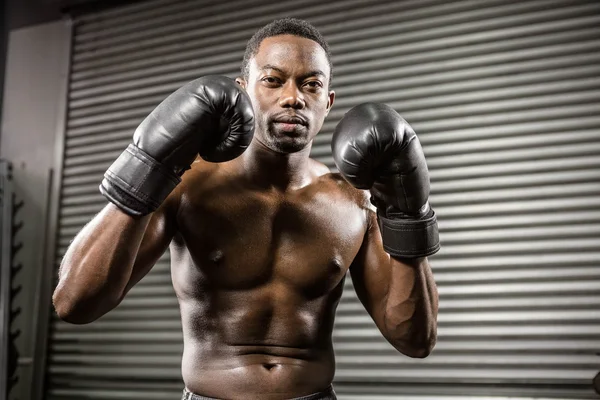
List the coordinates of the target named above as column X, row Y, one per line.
column 314, row 84
column 271, row 80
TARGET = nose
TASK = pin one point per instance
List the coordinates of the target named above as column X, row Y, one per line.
column 291, row 96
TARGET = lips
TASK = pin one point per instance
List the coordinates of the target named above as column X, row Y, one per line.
column 290, row 119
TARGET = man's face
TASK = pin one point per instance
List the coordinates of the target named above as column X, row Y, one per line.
column 288, row 83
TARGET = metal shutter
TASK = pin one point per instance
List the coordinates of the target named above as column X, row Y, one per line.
column 506, row 99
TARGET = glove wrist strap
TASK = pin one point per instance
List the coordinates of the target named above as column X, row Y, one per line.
column 409, row 238
column 137, row 183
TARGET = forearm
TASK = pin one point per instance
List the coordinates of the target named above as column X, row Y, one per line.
column 97, row 265
column 411, row 308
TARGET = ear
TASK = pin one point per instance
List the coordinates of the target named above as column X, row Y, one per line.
column 330, row 100
column 241, row 81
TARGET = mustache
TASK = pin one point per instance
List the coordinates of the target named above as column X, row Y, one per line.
column 289, row 118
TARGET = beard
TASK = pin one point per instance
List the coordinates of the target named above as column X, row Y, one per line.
column 286, row 141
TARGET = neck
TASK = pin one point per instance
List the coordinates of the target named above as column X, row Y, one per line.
column 270, row 169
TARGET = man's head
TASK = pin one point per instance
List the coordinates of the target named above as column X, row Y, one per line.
column 285, row 26
column 287, row 73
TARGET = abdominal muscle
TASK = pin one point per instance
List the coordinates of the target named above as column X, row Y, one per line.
column 257, row 375
column 245, row 347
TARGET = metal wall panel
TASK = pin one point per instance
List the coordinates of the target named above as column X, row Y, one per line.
column 505, row 97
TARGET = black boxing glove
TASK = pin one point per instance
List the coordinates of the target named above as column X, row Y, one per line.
column 375, row 148
column 211, row 116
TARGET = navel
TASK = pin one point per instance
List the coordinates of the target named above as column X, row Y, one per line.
column 269, row 366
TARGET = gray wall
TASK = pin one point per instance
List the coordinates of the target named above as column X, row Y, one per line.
column 34, row 57
column 33, row 109
column 17, row 14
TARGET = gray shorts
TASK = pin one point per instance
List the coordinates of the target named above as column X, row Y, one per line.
column 327, row 394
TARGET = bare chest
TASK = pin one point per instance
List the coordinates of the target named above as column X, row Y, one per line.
column 242, row 241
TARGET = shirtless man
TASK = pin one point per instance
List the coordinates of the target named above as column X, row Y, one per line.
column 261, row 236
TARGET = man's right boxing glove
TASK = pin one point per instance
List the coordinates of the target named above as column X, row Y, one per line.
column 211, row 116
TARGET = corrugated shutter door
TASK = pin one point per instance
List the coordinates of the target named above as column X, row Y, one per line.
column 506, row 99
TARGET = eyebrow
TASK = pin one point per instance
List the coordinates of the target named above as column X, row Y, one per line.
column 316, row 72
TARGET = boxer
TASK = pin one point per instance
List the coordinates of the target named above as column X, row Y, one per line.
column 261, row 236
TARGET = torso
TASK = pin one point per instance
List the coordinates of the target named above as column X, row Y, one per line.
column 258, row 274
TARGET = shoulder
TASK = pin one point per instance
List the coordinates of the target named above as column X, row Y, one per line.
column 200, row 175
column 200, row 166
column 318, row 168
column 197, row 179
column 362, row 198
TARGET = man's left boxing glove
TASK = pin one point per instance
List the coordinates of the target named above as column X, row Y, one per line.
column 375, row 148
column 211, row 116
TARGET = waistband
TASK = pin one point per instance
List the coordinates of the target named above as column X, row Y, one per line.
column 327, row 394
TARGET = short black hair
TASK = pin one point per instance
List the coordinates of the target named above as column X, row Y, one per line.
column 284, row 26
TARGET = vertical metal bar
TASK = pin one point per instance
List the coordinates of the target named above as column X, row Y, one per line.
column 5, row 272
column 43, row 301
